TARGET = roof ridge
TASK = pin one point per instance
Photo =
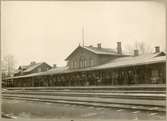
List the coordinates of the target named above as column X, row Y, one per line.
column 33, row 66
column 99, row 48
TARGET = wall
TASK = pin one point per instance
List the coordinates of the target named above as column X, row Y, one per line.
column 82, row 54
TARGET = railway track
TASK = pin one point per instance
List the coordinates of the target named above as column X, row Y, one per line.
column 151, row 98
column 118, row 95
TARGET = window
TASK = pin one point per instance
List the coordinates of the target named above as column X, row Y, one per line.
column 71, row 65
column 85, row 63
column 154, row 73
column 91, row 62
column 80, row 63
column 39, row 69
column 75, row 64
column 154, row 76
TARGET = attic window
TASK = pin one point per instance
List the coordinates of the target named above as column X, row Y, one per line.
column 85, row 63
column 80, row 63
column 91, row 62
column 39, row 69
column 75, row 64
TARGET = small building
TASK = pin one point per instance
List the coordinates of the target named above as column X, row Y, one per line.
column 33, row 67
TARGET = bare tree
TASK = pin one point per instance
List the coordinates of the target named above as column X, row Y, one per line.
column 142, row 47
column 8, row 66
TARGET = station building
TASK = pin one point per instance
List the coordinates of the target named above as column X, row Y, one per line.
column 91, row 65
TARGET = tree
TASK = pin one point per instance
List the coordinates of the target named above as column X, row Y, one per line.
column 140, row 46
column 8, row 66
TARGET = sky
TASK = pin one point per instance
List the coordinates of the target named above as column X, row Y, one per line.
column 44, row 31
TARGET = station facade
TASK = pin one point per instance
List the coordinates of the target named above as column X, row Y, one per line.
column 88, row 66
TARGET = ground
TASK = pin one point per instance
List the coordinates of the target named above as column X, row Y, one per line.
column 29, row 109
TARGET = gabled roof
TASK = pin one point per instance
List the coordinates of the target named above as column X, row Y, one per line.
column 28, row 68
column 96, row 50
column 32, row 67
column 23, row 67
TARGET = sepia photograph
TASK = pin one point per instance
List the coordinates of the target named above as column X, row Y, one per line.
column 91, row 60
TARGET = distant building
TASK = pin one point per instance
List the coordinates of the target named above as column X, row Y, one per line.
column 33, row 67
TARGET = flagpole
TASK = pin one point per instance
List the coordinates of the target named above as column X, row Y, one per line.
column 83, row 35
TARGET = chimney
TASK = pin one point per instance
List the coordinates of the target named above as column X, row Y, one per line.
column 54, row 65
column 99, row 45
column 157, row 49
column 136, row 52
column 119, row 48
column 33, row 63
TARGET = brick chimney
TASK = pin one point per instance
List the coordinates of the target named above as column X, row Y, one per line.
column 119, row 48
column 157, row 49
column 54, row 65
column 33, row 63
column 136, row 52
column 99, row 45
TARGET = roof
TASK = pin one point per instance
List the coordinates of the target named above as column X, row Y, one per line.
column 106, row 51
column 56, row 70
column 116, row 63
column 133, row 61
column 128, row 61
column 49, row 72
column 24, row 67
column 28, row 68
column 32, row 67
column 96, row 50
column 17, row 71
